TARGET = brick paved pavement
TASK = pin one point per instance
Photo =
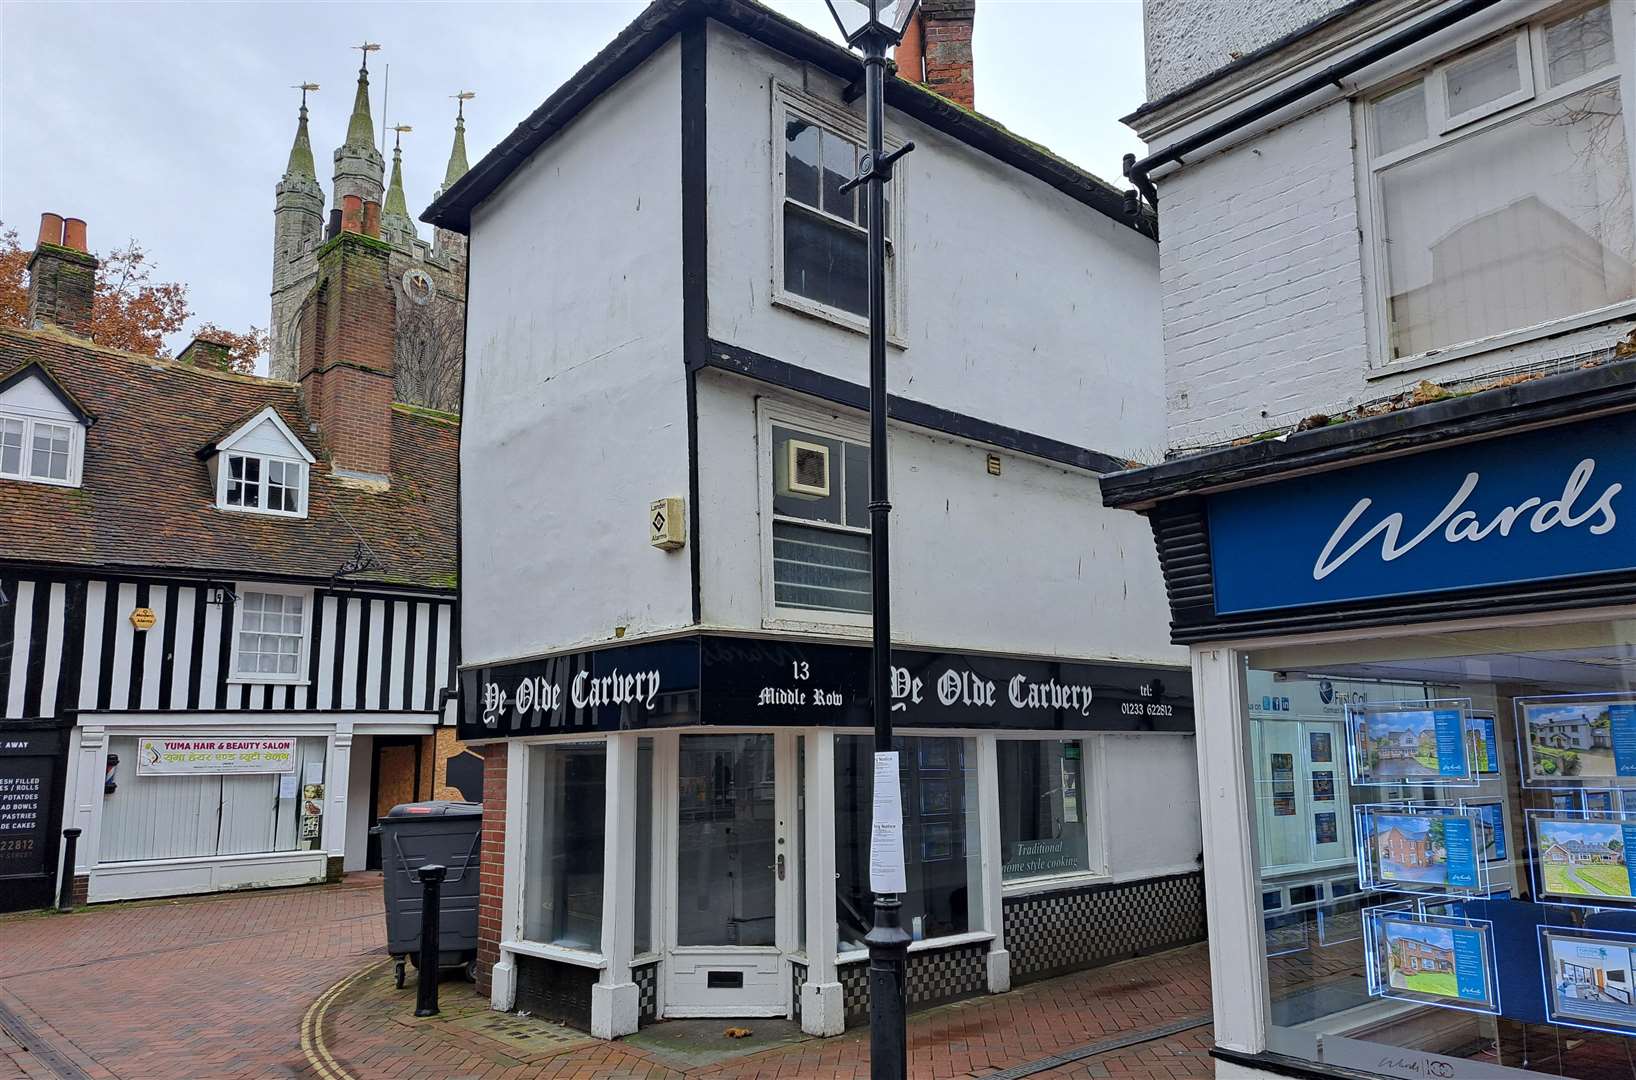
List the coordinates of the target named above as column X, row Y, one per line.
column 219, row 986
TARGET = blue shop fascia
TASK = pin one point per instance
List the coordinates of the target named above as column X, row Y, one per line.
column 1413, row 639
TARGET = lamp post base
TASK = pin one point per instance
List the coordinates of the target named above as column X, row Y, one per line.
column 888, row 992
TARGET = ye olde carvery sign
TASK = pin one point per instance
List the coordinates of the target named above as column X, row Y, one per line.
column 752, row 681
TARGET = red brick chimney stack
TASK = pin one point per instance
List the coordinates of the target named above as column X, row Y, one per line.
column 62, row 276
column 346, row 333
column 936, row 49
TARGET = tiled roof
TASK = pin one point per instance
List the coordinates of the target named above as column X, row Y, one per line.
column 146, row 502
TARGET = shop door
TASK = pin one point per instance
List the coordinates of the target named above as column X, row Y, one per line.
column 732, row 878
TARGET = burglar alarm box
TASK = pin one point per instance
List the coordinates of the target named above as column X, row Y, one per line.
column 666, row 525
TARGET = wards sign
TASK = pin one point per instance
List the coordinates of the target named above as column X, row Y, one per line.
column 1541, row 506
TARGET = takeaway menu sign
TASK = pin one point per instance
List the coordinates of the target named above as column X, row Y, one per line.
column 711, row 679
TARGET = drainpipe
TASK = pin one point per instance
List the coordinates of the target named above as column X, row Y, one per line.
column 1137, row 171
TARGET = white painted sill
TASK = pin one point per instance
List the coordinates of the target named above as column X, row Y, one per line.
column 541, row 951
column 834, row 316
column 953, row 941
column 1056, row 883
column 1496, row 342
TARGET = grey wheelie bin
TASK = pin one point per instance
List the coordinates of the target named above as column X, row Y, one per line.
column 413, row 835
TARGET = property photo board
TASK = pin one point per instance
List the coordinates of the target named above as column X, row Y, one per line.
column 1431, row 959
column 1410, row 742
column 1590, row 978
column 1581, row 739
column 1580, row 858
column 1485, row 745
column 1409, row 848
column 1491, row 839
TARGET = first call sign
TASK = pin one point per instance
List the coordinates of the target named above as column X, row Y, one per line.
column 718, row 680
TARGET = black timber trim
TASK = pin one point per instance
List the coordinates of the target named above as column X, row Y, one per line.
column 662, row 19
column 182, row 575
column 36, row 369
column 781, row 373
column 695, row 273
column 1571, row 395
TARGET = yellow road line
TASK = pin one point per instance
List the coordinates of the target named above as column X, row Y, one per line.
column 312, row 1029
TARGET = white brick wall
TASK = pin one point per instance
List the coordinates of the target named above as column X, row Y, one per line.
column 1260, row 269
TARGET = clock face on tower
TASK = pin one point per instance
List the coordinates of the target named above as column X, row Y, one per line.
column 418, row 286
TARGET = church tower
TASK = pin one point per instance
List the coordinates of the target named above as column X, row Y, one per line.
column 298, row 225
column 359, row 167
column 452, row 243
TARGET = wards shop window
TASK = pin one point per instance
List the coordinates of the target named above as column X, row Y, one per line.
column 820, row 526
column 822, row 251
column 1500, row 184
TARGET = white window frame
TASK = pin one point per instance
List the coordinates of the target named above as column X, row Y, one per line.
column 787, row 100
column 1437, row 84
column 1444, row 131
column 830, row 425
column 1093, row 789
column 224, row 479
column 32, row 420
column 265, row 678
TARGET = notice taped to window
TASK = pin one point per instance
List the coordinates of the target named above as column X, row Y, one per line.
column 886, row 873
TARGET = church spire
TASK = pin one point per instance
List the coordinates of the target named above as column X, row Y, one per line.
column 396, row 206
column 301, row 150
column 361, row 128
column 457, row 153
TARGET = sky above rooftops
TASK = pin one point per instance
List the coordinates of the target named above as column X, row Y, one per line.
column 172, row 123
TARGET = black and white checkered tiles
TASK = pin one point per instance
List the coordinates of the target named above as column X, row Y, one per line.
column 1054, row 933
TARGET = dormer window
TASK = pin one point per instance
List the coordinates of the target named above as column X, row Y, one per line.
column 261, row 468
column 42, row 430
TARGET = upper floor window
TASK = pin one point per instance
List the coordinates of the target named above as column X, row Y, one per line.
column 270, row 635
column 817, row 503
column 42, row 432
column 821, row 248
column 1500, row 185
column 262, row 468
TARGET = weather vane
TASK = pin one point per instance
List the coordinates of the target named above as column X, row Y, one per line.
column 400, row 129
column 366, row 48
column 304, row 87
column 463, row 97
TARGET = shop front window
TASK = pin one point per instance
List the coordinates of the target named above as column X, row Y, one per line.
column 155, row 808
column 942, row 855
column 643, row 936
column 1043, row 808
column 1442, row 826
column 562, row 886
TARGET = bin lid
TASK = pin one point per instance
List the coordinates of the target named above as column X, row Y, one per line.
column 436, row 808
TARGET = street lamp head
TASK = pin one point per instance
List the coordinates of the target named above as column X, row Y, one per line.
column 872, row 22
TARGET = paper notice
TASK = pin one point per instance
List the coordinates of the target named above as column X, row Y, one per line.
column 313, row 773
column 886, row 874
column 286, row 786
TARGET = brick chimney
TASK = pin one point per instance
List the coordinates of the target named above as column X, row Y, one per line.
column 936, row 49
column 207, row 352
column 347, row 323
column 62, row 276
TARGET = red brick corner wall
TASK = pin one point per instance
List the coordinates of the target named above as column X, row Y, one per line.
column 492, row 864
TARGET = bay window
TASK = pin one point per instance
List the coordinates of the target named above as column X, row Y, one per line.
column 1500, row 183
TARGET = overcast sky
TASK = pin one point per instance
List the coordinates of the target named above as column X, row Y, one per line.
column 171, row 122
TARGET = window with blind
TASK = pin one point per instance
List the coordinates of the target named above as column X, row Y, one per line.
column 820, row 525
column 1501, row 186
column 822, row 260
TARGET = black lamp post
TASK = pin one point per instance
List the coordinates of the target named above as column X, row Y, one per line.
column 875, row 26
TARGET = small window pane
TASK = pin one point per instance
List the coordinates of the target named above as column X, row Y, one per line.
column 1580, row 44
column 820, row 569
column 826, row 262
column 1400, row 118
column 840, row 166
column 801, row 161
column 1042, row 808
column 50, row 458
column 1484, row 77
column 857, row 485
column 11, row 447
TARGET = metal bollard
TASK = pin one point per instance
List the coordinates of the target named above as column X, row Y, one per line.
column 65, row 895
column 431, row 902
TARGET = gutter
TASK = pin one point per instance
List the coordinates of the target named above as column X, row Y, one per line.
column 1137, row 172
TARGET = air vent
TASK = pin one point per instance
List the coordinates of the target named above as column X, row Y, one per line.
column 805, row 470
column 724, row 980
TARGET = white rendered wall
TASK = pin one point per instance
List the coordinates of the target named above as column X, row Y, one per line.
column 1021, row 305
column 1151, row 804
column 575, row 414
column 1025, row 562
column 1189, row 39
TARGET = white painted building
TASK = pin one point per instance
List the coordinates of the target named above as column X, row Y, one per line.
column 666, row 303
column 1398, row 269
